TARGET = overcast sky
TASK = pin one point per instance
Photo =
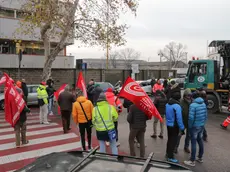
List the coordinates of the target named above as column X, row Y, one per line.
column 191, row 22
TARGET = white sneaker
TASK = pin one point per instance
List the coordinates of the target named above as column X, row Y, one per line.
column 118, row 144
column 190, row 163
column 200, row 160
column 51, row 114
column 107, row 143
column 46, row 123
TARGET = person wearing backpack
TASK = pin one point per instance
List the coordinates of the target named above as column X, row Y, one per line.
column 82, row 116
column 103, row 118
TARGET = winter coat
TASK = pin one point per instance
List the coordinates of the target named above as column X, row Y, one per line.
column 157, row 87
column 136, row 118
column 23, row 116
column 197, row 113
column 50, row 91
column 90, row 89
column 185, row 111
column 42, row 95
column 160, row 103
column 25, row 89
column 108, row 113
column 78, row 113
column 127, row 104
column 173, row 110
column 165, row 84
column 114, row 100
column 153, row 82
column 65, row 100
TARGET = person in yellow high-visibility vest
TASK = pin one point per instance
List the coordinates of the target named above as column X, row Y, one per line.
column 43, row 103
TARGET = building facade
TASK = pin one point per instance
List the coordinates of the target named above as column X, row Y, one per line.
column 31, row 45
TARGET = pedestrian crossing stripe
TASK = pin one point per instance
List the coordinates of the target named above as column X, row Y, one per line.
column 28, row 118
column 28, row 122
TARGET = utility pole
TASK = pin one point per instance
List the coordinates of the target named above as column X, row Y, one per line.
column 107, row 36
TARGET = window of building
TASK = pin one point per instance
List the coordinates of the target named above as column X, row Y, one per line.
column 6, row 13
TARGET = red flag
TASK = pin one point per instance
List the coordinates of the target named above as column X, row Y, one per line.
column 57, row 93
column 3, row 79
column 14, row 103
column 81, row 83
column 132, row 91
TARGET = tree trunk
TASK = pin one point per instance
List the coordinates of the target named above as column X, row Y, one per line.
column 47, row 67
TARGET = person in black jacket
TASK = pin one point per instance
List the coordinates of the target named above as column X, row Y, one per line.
column 160, row 102
column 127, row 104
column 90, row 89
column 50, row 91
column 137, row 120
column 24, row 89
column 172, row 88
column 20, row 128
column 96, row 92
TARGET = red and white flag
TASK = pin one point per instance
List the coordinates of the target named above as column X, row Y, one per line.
column 14, row 103
column 132, row 91
column 81, row 83
column 57, row 93
column 3, row 79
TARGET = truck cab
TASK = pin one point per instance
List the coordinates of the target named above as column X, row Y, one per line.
column 213, row 75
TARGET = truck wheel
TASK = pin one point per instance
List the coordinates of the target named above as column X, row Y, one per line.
column 2, row 105
column 213, row 104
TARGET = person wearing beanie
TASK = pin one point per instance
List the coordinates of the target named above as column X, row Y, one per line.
column 82, row 116
column 114, row 101
column 103, row 117
column 43, row 102
column 160, row 101
column 174, row 87
column 196, row 122
column 174, row 124
column 185, row 102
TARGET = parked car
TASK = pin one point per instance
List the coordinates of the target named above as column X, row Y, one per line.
column 105, row 85
column 32, row 96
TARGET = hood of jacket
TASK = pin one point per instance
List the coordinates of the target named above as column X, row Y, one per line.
column 173, row 101
column 42, row 86
column 198, row 100
column 109, row 95
column 81, row 99
column 102, row 103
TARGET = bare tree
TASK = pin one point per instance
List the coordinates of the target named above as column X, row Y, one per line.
column 93, row 22
column 129, row 55
column 173, row 53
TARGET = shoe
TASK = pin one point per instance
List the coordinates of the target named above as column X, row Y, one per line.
column 41, row 122
column 190, row 163
column 107, row 143
column 69, row 128
column 200, row 160
column 223, row 127
column 46, row 123
column 18, row 146
column 160, row 136
column 187, row 150
column 118, row 144
column 26, row 142
column 51, row 114
column 173, row 160
column 154, row 136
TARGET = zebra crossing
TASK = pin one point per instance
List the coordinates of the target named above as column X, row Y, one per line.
column 43, row 140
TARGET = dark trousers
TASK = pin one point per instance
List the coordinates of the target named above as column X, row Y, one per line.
column 65, row 114
column 116, row 128
column 186, row 142
column 85, row 127
column 205, row 135
column 173, row 133
column 140, row 135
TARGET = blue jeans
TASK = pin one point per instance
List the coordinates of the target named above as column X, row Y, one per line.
column 50, row 105
column 113, row 146
column 196, row 134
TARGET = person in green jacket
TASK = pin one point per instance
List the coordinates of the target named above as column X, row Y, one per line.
column 103, row 117
column 43, row 103
column 185, row 102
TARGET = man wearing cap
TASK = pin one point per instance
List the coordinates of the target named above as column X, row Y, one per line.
column 43, row 102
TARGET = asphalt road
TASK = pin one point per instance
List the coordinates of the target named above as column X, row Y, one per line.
column 217, row 152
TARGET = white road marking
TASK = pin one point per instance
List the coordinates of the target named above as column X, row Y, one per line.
column 40, row 140
column 28, row 118
column 2, row 130
column 28, row 122
column 33, row 133
column 37, row 153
